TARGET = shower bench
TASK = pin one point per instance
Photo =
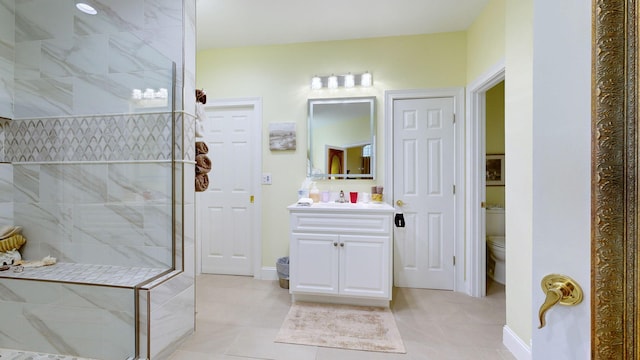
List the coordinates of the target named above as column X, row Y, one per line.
column 86, row 310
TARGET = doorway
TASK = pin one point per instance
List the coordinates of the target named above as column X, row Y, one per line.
column 476, row 150
column 335, row 161
column 228, row 213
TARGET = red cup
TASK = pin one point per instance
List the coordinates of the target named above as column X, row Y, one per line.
column 354, row 197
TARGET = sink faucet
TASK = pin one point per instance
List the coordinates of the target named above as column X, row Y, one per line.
column 341, row 199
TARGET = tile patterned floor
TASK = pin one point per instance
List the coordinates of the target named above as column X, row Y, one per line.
column 238, row 319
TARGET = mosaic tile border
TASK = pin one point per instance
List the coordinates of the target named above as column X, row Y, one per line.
column 90, row 138
column 187, row 127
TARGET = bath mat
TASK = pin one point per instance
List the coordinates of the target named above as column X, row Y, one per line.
column 341, row 326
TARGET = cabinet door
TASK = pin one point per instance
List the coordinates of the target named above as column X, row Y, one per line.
column 365, row 266
column 313, row 263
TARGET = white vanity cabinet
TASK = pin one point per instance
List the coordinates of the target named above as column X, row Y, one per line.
column 341, row 253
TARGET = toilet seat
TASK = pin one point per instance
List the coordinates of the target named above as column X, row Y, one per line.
column 496, row 241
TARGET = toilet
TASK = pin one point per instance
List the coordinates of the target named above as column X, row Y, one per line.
column 495, row 244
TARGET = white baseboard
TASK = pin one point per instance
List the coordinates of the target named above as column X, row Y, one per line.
column 514, row 344
column 267, row 273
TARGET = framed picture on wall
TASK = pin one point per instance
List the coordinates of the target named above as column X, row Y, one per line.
column 495, row 170
column 282, row 136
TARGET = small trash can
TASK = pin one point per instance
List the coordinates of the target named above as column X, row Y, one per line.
column 282, row 267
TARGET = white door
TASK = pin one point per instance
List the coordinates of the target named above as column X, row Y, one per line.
column 225, row 209
column 423, row 171
column 561, row 180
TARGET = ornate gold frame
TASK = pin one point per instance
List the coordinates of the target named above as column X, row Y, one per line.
column 614, row 203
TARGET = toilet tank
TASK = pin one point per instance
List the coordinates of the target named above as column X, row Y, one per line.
column 495, row 222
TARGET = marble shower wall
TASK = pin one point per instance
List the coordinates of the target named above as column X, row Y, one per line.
column 70, row 63
column 94, row 190
column 71, row 75
column 77, row 197
column 90, row 321
column 7, row 49
column 6, row 194
column 107, row 214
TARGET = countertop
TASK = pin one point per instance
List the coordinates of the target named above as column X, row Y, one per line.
column 334, row 206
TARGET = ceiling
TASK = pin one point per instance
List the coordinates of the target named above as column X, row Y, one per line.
column 235, row 23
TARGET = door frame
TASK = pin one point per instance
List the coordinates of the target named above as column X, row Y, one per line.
column 457, row 94
column 256, row 188
column 476, row 180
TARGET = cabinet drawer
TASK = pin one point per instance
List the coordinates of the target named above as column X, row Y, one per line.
column 343, row 223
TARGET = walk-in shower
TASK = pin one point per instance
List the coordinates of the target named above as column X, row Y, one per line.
column 93, row 148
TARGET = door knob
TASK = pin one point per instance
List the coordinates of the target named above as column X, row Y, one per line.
column 400, row 203
column 559, row 289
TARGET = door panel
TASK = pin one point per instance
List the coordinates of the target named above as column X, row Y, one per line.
column 314, row 263
column 423, row 180
column 364, row 261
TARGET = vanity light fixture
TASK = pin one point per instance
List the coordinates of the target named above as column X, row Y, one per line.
column 86, row 8
column 347, row 81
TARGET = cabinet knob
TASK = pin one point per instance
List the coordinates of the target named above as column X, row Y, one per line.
column 342, row 244
column 335, row 243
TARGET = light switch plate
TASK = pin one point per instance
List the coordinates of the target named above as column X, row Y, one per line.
column 266, row 179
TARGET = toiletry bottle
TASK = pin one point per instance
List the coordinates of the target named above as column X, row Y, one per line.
column 314, row 193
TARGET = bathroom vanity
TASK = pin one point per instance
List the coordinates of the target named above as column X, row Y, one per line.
column 341, row 252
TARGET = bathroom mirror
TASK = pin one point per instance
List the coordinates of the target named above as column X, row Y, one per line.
column 341, row 138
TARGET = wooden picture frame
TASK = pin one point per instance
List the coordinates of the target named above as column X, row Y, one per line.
column 495, row 170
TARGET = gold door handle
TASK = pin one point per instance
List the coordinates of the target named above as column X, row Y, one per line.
column 559, row 289
column 400, row 203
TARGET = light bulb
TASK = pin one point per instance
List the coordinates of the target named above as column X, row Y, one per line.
column 366, row 79
column 333, row 82
column 86, row 8
column 349, row 80
column 316, row 83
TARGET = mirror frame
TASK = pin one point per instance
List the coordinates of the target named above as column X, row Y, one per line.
column 614, row 177
column 371, row 100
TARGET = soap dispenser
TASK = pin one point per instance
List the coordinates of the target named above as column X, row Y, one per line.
column 314, row 193
column 341, row 199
